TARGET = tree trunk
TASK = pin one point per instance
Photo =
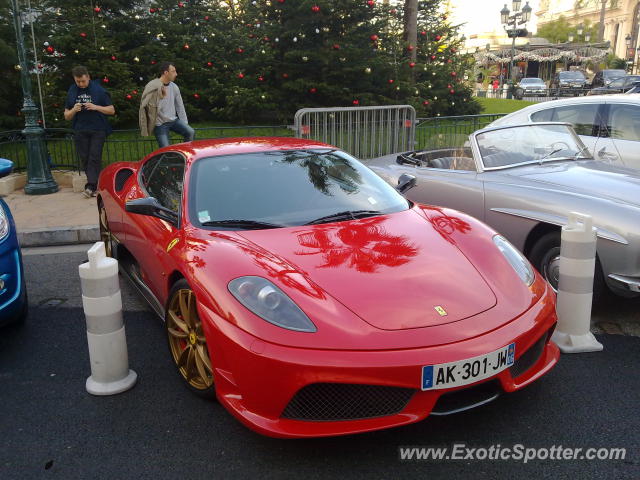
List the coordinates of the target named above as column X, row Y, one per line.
column 601, row 26
column 411, row 26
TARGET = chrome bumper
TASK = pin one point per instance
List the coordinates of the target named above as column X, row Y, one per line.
column 630, row 283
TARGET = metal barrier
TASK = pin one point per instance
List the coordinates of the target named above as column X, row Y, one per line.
column 520, row 94
column 365, row 132
column 436, row 132
column 121, row 145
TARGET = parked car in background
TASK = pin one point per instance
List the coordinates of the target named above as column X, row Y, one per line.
column 603, row 78
column 634, row 89
column 313, row 299
column 13, row 291
column 617, row 85
column 609, row 125
column 524, row 181
column 570, row 82
column 530, row 86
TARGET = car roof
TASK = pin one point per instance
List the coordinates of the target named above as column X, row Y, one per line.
column 239, row 145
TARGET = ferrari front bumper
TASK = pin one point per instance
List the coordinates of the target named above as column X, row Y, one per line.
column 266, row 385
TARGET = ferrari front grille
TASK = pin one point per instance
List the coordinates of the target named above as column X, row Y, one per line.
column 529, row 358
column 326, row 402
column 467, row 398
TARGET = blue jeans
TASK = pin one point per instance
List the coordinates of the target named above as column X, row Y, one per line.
column 162, row 131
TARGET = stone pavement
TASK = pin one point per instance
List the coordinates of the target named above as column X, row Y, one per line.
column 61, row 218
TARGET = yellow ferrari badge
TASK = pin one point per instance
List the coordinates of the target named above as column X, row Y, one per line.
column 172, row 244
column 441, row 311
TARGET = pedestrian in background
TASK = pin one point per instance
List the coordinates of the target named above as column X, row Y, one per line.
column 87, row 106
column 162, row 109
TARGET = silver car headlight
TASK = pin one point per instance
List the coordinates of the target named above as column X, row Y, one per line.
column 270, row 303
column 517, row 260
column 4, row 224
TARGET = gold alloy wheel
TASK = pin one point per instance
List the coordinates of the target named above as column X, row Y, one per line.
column 105, row 233
column 187, row 342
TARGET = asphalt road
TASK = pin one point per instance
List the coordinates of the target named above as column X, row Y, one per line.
column 50, row 427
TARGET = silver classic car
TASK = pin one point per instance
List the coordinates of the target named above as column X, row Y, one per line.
column 523, row 181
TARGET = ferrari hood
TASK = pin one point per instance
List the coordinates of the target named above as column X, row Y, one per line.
column 590, row 178
column 394, row 271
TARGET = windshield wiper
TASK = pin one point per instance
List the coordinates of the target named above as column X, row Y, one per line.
column 244, row 224
column 346, row 215
column 549, row 154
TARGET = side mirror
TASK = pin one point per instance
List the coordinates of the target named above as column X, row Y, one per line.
column 5, row 167
column 405, row 182
column 151, row 207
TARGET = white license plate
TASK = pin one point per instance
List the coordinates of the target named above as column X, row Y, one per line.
column 470, row 370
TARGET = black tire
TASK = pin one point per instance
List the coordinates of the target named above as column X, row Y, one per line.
column 545, row 255
column 187, row 343
column 105, row 232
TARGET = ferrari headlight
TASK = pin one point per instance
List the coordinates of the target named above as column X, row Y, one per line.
column 270, row 303
column 517, row 260
column 4, row 224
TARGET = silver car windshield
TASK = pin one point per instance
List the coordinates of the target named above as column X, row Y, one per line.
column 533, row 143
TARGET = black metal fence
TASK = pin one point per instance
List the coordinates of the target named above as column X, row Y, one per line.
column 121, row 145
column 440, row 132
column 128, row 145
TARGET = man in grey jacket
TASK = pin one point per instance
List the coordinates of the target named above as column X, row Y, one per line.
column 161, row 108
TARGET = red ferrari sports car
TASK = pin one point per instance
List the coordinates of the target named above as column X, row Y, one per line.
column 311, row 298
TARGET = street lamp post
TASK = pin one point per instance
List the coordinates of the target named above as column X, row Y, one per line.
column 518, row 18
column 39, row 178
column 629, row 52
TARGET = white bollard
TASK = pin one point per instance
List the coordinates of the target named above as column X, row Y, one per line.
column 102, row 304
column 575, row 286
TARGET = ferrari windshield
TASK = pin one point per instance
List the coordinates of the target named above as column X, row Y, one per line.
column 506, row 147
column 286, row 188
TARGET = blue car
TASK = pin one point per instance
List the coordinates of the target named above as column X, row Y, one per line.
column 13, row 289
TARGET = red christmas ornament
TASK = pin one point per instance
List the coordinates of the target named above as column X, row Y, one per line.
column 449, row 86
column 425, row 103
column 313, row 90
column 40, row 66
column 206, row 17
column 410, row 48
column 449, row 61
column 315, row 9
column 96, row 9
column 261, row 78
column 113, row 58
column 438, row 37
column 180, row 4
column 336, row 46
column 371, row 3
column 209, row 64
column 239, row 50
column 105, row 80
column 153, row 62
column 241, row 75
column 452, row 91
column 285, row 75
column 50, row 49
column 280, row 1
column 433, row 57
column 393, row 11
column 152, row 10
column 356, row 102
column 186, row 46
column 129, row 97
column 196, row 96
column 83, row 35
column 251, row 35
column 390, row 80
column 135, row 92
column 412, row 64
column 453, row 50
column 453, row 74
column 423, row 33
column 374, row 38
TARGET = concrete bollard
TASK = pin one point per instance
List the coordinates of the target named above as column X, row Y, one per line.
column 575, row 286
column 102, row 305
